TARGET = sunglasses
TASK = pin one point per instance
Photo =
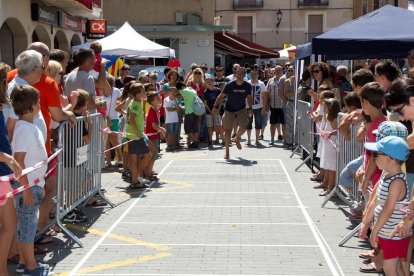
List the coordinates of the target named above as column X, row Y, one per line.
column 315, row 71
column 290, row 70
column 41, row 67
column 375, row 154
column 399, row 111
column 125, row 69
column 219, row 70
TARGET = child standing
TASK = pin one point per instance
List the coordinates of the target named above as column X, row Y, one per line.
column 138, row 150
column 172, row 123
column 153, row 130
column 213, row 121
column 328, row 134
column 29, row 149
column 392, row 195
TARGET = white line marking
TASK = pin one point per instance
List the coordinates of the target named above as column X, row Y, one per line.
column 249, row 193
column 215, row 206
column 192, row 274
column 100, row 241
column 217, row 245
column 214, row 223
column 311, row 225
column 218, row 173
column 230, row 162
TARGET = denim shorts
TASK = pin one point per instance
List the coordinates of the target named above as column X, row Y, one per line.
column 172, row 128
column 345, row 178
column 27, row 216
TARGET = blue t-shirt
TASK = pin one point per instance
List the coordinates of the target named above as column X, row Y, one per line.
column 236, row 95
column 210, row 96
column 4, row 146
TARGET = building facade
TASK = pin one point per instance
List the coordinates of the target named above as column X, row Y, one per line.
column 57, row 23
column 183, row 25
column 362, row 7
column 276, row 24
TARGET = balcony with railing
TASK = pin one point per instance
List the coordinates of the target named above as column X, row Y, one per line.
column 247, row 36
column 244, row 4
column 313, row 3
column 309, row 36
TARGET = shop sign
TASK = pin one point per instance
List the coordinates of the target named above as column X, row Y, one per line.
column 45, row 14
column 70, row 22
column 96, row 29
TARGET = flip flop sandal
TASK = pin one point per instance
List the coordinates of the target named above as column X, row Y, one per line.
column 366, row 254
column 366, row 261
column 370, row 269
column 134, row 185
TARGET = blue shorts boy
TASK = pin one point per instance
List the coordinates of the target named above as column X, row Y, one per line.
column 27, row 216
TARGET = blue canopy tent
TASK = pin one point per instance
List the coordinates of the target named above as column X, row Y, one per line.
column 383, row 33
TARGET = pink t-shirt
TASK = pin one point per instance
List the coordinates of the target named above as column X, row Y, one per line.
column 371, row 137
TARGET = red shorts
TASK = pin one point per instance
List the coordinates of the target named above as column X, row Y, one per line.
column 53, row 163
column 393, row 249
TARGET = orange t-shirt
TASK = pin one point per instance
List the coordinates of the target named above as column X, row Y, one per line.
column 49, row 97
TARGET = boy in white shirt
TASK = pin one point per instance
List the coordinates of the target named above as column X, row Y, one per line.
column 28, row 150
column 172, row 123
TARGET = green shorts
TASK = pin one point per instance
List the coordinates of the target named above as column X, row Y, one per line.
column 115, row 125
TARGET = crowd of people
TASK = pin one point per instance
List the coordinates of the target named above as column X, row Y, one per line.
column 139, row 113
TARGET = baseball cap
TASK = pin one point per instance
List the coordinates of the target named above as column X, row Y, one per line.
column 392, row 146
column 391, row 128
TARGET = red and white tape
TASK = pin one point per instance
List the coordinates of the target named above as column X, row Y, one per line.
column 12, row 177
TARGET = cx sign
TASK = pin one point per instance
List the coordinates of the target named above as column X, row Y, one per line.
column 96, row 28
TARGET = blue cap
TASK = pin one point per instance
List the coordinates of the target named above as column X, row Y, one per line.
column 392, row 146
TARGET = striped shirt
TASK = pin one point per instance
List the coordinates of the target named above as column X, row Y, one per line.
column 397, row 215
column 273, row 90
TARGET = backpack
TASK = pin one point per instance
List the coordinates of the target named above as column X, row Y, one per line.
column 198, row 107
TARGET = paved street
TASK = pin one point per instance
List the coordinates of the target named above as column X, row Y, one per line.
column 252, row 215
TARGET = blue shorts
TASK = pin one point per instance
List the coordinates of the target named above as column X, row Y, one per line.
column 172, row 128
column 27, row 216
column 345, row 178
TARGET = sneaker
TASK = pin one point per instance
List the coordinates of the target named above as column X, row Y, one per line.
column 126, row 174
column 279, row 137
column 210, row 144
column 38, row 271
column 216, row 142
column 21, row 267
column 271, row 143
column 261, row 137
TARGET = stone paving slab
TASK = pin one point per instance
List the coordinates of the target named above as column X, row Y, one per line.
column 212, row 239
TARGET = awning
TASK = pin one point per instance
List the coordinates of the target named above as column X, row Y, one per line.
column 239, row 46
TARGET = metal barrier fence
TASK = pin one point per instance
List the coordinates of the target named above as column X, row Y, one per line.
column 79, row 168
column 304, row 127
column 348, row 151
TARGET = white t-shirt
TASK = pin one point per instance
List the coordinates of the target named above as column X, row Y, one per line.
column 39, row 121
column 111, row 104
column 258, row 89
column 170, row 116
column 28, row 138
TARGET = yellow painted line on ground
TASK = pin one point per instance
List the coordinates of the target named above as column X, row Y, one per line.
column 120, row 263
column 179, row 185
column 119, row 237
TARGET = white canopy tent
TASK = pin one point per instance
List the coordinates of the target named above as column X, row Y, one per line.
column 127, row 42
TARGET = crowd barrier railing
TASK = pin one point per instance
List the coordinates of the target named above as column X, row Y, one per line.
column 79, row 167
column 304, row 127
